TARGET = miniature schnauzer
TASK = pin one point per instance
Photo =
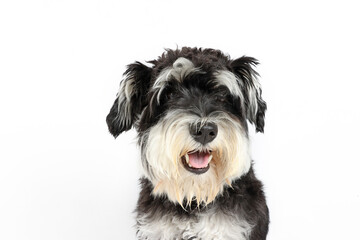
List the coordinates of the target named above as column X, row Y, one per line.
column 190, row 108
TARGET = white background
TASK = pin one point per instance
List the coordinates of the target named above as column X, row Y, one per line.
column 63, row 176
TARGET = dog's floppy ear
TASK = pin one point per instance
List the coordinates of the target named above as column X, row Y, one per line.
column 130, row 99
column 254, row 105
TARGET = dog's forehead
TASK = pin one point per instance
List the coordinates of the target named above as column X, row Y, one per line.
column 182, row 67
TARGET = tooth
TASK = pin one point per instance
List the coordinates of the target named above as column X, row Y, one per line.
column 187, row 158
column 189, row 165
column 210, row 158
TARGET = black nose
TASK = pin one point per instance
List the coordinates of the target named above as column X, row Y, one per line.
column 205, row 133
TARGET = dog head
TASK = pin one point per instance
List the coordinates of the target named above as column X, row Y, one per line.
column 191, row 110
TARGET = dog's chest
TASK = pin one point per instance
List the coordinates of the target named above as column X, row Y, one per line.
column 211, row 225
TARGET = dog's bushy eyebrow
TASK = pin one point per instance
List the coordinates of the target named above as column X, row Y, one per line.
column 180, row 69
column 229, row 80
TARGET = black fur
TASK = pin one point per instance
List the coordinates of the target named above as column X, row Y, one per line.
column 245, row 197
column 141, row 75
column 243, row 68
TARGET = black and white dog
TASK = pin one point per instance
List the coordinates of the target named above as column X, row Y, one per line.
column 190, row 109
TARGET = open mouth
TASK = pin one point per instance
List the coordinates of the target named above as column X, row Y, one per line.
column 197, row 162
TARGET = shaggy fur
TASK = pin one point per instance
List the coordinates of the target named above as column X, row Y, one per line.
column 191, row 109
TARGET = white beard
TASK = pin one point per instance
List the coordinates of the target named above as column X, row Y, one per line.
column 170, row 139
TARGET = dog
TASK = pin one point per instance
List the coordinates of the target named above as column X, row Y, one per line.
column 191, row 108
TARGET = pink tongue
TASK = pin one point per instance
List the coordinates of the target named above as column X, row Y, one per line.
column 198, row 160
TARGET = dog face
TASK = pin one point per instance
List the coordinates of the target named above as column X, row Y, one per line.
column 190, row 110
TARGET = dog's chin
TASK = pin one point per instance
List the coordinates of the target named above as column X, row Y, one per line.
column 197, row 162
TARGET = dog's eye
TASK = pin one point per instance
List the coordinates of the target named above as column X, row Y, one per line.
column 169, row 95
column 221, row 99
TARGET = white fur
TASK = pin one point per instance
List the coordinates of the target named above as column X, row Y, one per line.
column 124, row 95
column 170, row 139
column 254, row 93
column 210, row 225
